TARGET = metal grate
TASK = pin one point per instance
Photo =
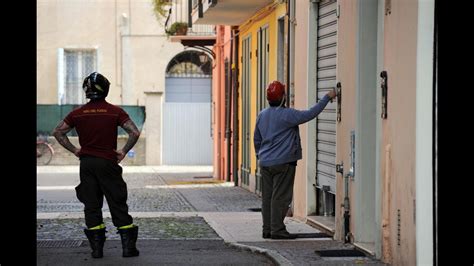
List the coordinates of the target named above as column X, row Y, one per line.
column 398, row 227
column 312, row 235
column 340, row 253
column 58, row 244
column 202, row 177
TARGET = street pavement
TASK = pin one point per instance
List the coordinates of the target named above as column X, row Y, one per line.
column 185, row 218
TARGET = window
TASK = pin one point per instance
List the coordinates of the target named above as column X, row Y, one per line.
column 77, row 65
column 190, row 64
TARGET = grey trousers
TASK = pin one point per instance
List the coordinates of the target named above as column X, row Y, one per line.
column 277, row 193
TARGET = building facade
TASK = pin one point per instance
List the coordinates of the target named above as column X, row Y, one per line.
column 129, row 44
column 366, row 176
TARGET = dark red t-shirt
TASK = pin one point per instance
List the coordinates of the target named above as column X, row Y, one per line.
column 96, row 124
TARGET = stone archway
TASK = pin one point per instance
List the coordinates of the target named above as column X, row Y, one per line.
column 186, row 131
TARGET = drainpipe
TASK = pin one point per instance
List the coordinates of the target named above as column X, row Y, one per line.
column 228, row 108
column 347, row 232
column 288, row 5
column 217, row 110
column 291, row 51
column 222, row 116
column 235, row 107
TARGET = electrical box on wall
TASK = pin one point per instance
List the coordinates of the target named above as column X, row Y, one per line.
column 352, row 141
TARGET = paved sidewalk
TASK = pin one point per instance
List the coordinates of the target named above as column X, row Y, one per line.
column 226, row 209
column 242, row 231
column 131, row 169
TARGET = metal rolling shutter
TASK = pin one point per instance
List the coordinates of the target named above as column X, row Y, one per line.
column 326, row 79
column 186, row 120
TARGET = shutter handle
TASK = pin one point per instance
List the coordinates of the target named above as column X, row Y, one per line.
column 383, row 85
column 339, row 96
column 340, row 168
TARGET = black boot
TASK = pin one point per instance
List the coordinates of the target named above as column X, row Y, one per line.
column 129, row 239
column 96, row 240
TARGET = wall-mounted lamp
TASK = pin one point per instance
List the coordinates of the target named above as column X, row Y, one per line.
column 203, row 58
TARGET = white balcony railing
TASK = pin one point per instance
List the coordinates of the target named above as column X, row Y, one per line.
column 180, row 13
column 199, row 30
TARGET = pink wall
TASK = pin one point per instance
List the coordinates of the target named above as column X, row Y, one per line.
column 398, row 130
column 399, row 57
column 301, row 103
column 222, row 51
column 346, row 74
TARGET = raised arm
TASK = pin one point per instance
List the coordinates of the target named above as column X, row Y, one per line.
column 297, row 117
column 133, row 135
column 60, row 134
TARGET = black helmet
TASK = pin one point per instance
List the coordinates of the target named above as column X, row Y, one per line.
column 96, row 86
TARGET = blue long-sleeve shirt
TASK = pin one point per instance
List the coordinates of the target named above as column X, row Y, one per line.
column 277, row 137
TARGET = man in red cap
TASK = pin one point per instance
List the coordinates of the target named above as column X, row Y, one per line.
column 278, row 148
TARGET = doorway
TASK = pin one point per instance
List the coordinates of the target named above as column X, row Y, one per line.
column 368, row 126
column 324, row 53
column 187, row 100
column 246, row 78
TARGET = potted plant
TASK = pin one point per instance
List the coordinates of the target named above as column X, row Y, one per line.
column 177, row 28
column 160, row 8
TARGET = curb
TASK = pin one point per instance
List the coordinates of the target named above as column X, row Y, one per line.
column 131, row 169
column 273, row 255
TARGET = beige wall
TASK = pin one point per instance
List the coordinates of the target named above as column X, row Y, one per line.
column 126, row 35
column 153, row 106
column 399, row 57
column 398, row 130
column 74, row 24
column 132, row 51
column 149, row 57
column 346, row 74
column 301, row 102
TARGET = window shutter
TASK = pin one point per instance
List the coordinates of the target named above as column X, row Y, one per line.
column 60, row 76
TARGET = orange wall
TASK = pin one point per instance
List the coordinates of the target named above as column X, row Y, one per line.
column 222, row 51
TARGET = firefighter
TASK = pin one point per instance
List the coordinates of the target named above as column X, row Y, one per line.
column 100, row 174
column 278, row 148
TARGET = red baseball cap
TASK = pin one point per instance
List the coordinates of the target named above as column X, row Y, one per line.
column 275, row 91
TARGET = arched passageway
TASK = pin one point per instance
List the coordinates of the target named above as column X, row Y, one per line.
column 187, row 110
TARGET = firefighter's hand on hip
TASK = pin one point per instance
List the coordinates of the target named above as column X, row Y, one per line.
column 120, row 155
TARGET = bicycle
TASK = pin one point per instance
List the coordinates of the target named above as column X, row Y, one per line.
column 44, row 152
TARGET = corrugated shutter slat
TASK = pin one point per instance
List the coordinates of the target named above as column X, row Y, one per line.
column 326, row 79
